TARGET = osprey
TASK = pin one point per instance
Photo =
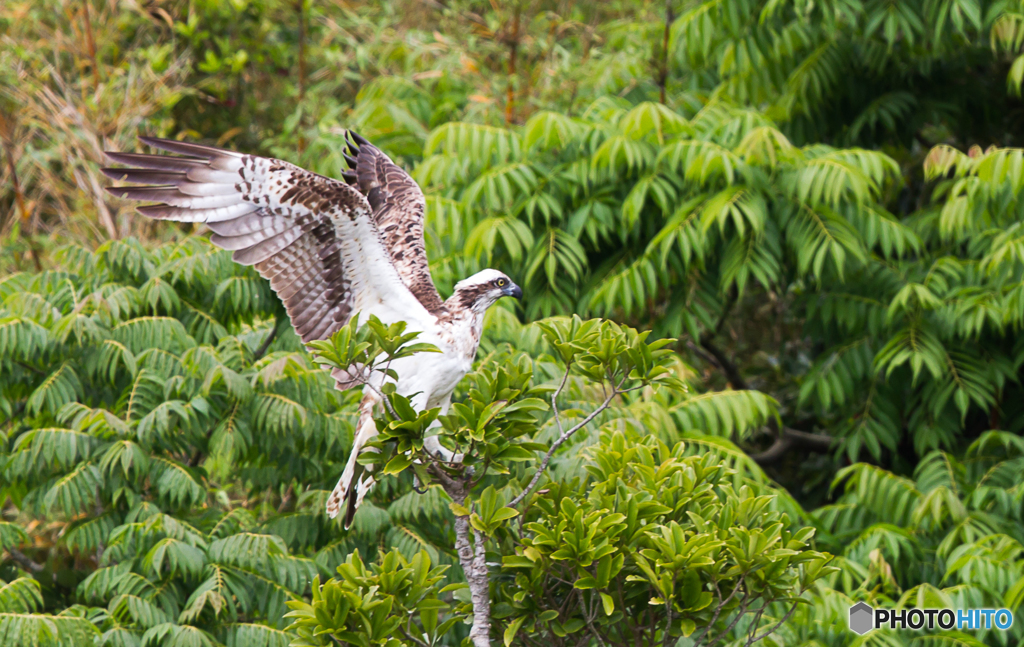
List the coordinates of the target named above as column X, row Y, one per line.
column 330, row 249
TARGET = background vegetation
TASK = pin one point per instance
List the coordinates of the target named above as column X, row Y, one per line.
column 818, row 200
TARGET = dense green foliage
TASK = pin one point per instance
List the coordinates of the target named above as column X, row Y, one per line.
column 818, row 199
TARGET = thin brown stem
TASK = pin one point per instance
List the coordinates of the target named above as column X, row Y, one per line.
column 300, row 5
column 670, row 16
column 666, row 638
column 513, row 51
column 744, row 604
column 7, row 131
column 91, row 43
column 287, row 498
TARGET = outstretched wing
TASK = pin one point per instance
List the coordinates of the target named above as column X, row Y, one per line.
column 398, row 207
column 314, row 238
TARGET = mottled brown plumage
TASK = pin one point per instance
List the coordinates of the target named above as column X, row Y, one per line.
column 398, row 208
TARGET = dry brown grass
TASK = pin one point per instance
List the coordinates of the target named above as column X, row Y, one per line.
column 63, row 105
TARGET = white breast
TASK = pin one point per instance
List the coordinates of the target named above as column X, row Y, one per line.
column 435, row 375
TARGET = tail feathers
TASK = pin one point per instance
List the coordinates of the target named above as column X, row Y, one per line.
column 356, row 497
column 341, row 490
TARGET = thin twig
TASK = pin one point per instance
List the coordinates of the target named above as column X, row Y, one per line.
column 7, row 132
column 92, row 45
column 744, row 604
column 773, row 629
column 29, row 367
column 718, row 610
column 554, row 398
column 667, row 638
column 287, row 498
column 558, row 443
column 755, row 623
column 409, row 636
column 262, row 350
column 589, row 618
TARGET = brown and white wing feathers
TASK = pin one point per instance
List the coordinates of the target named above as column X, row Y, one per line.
column 398, row 209
column 314, row 238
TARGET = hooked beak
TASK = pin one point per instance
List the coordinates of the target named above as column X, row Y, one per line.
column 513, row 290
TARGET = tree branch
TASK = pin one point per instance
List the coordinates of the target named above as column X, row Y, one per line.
column 588, row 617
column 29, row 367
column 666, row 639
column 718, row 610
column 262, row 350
column 774, row 628
column 743, row 610
column 558, row 443
column 554, row 398
column 474, row 565
column 24, row 560
column 790, row 438
column 732, row 373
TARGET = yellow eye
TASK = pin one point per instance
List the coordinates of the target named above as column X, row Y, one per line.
column 501, row 283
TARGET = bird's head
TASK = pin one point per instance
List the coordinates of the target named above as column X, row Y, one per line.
column 481, row 290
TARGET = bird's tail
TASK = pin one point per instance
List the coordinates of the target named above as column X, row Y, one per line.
column 356, row 480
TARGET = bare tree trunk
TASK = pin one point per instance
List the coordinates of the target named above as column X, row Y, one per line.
column 472, row 558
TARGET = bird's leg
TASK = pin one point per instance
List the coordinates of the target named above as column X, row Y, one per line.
column 433, row 444
column 434, row 447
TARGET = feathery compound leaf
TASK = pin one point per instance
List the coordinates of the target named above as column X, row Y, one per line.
column 176, row 483
column 131, row 609
column 41, row 450
column 22, row 595
column 890, row 497
column 255, row 635
column 59, row 388
column 725, row 413
column 248, row 550
column 916, row 346
column 12, row 535
column 171, row 557
column 40, row 630
column 153, row 332
column 75, row 492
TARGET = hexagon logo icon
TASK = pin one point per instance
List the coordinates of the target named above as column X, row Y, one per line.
column 862, row 618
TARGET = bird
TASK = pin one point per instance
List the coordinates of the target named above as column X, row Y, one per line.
column 331, row 250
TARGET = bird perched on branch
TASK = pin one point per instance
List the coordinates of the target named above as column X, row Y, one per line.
column 330, row 249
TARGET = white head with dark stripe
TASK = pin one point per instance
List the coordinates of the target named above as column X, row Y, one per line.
column 482, row 290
